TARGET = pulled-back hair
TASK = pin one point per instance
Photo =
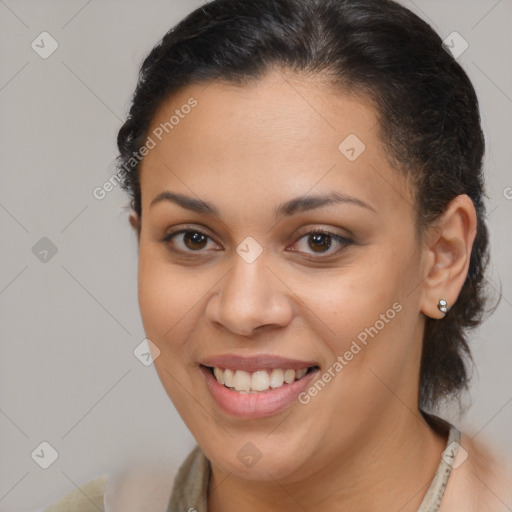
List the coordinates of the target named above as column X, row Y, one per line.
column 426, row 104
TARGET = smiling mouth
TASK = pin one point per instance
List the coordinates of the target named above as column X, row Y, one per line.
column 259, row 381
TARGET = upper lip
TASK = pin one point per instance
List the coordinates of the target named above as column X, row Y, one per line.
column 255, row 363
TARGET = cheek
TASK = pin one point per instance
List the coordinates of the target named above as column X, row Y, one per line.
column 345, row 303
column 364, row 328
column 364, row 316
column 166, row 298
column 166, row 301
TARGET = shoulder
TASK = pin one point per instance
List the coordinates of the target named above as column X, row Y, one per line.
column 479, row 481
column 88, row 497
column 140, row 486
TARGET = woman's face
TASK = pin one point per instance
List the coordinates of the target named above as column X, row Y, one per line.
column 248, row 287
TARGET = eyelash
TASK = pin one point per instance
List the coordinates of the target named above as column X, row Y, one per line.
column 343, row 241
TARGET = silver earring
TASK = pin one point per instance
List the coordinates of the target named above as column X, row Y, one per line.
column 442, row 305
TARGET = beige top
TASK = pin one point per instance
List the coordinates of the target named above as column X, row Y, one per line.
column 466, row 480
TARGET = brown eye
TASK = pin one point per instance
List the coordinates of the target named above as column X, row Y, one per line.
column 187, row 240
column 195, row 240
column 319, row 242
column 322, row 243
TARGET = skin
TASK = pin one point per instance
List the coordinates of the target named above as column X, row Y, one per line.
column 357, row 444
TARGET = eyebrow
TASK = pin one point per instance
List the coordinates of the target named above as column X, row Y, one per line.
column 289, row 208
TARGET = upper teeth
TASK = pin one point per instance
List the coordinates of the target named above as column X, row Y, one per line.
column 260, row 380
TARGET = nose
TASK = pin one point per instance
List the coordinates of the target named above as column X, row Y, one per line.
column 251, row 297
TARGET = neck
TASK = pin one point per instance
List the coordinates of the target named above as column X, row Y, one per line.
column 391, row 468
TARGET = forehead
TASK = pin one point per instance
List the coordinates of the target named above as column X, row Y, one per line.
column 277, row 137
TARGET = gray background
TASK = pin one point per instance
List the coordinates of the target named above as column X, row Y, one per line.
column 68, row 375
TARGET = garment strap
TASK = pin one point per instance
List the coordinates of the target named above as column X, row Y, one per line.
column 434, row 495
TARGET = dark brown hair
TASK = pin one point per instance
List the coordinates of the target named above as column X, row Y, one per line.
column 427, row 106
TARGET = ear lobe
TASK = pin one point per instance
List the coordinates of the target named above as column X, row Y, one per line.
column 448, row 242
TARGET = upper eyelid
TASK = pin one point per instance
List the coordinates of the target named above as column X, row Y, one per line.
column 335, row 236
column 205, row 231
column 186, row 229
column 311, row 230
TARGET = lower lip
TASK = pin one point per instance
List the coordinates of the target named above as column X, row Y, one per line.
column 256, row 405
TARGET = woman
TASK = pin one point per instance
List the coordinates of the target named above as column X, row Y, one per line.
column 306, row 185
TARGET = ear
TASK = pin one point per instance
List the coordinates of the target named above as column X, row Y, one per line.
column 135, row 222
column 448, row 243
